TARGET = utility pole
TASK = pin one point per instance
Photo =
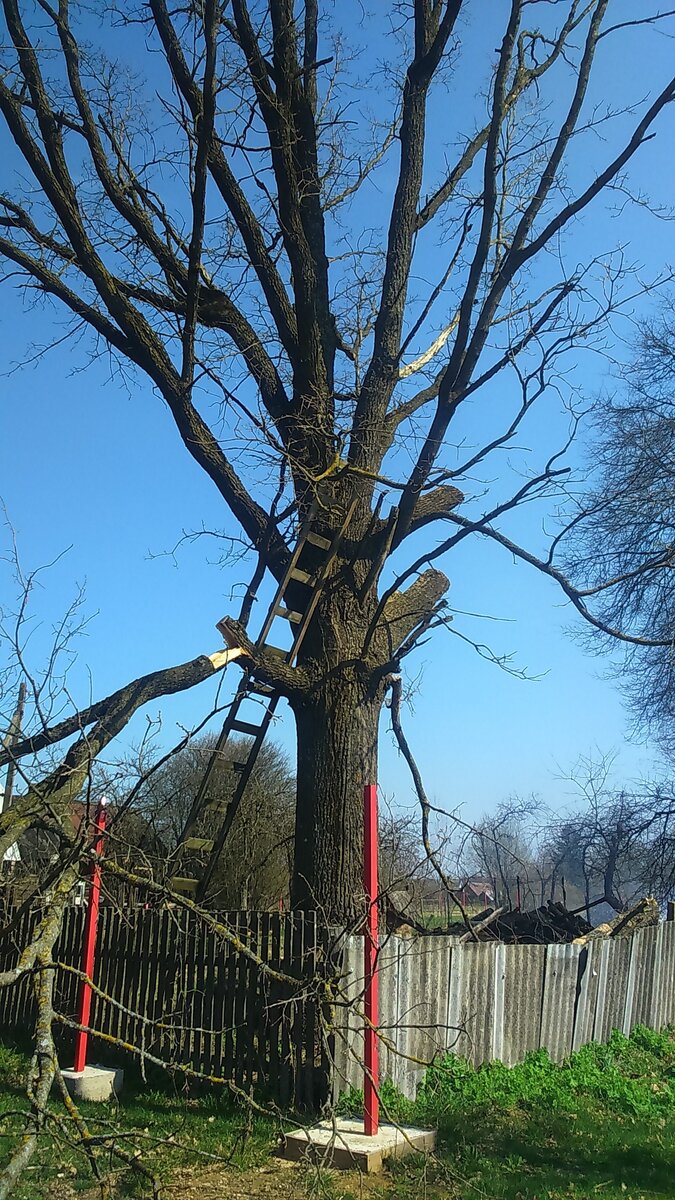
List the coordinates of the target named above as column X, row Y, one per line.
column 10, row 739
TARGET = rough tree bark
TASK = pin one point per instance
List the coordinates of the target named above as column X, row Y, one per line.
column 345, row 663
column 337, row 726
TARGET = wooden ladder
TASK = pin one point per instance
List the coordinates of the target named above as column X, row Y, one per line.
column 307, row 585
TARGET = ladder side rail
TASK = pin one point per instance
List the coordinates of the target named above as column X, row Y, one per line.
column 198, row 801
column 318, row 588
column 243, row 693
column 302, row 536
column 233, row 806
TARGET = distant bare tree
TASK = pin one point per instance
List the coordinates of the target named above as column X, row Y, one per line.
column 254, row 870
column 507, row 848
column 618, row 844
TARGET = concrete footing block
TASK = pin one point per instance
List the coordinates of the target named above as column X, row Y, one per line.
column 94, row 1083
column 344, row 1146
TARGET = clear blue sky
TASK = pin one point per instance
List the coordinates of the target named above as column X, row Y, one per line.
column 90, row 466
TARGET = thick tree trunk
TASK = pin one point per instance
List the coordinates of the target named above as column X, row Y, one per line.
column 350, row 648
column 337, row 729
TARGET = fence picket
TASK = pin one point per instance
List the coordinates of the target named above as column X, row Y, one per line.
column 286, row 1014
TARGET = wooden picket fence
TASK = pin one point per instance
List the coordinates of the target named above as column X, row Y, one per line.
column 180, row 992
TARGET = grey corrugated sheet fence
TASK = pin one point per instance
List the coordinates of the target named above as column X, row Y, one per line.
column 491, row 1001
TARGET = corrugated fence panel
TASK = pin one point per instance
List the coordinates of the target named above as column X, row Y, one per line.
column 668, row 975
column 633, row 958
column 410, row 957
column 560, row 990
column 498, row 1011
column 654, row 1017
column 388, row 959
column 423, row 975
column 646, row 981
column 445, row 1034
column 506, row 1000
column 587, row 995
column 500, row 1001
column 472, row 996
column 611, row 1015
column 523, row 997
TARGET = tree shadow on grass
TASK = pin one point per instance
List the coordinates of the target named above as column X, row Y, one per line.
column 519, row 1158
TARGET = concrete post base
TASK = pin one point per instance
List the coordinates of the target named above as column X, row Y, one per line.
column 94, row 1083
column 345, row 1147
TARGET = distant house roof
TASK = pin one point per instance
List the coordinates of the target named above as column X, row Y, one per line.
column 480, row 887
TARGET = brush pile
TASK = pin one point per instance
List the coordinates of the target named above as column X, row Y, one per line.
column 550, row 924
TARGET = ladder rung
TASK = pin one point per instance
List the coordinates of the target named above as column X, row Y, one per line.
column 230, row 764
column 195, row 843
column 220, row 806
column 275, row 651
column 300, row 575
column 317, row 540
column 245, row 727
column 289, row 614
column 181, row 884
column 260, row 689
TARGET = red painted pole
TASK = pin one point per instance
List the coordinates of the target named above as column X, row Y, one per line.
column 89, row 948
column 371, row 1101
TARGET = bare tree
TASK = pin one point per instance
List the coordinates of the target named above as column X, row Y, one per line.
column 50, row 823
column 206, row 225
column 255, row 866
column 506, row 848
column 626, row 525
column 613, row 846
column 617, row 844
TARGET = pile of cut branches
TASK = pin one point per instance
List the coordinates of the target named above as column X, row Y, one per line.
column 551, row 923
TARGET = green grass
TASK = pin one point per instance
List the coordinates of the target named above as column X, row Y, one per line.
column 204, row 1129
column 440, row 920
column 600, row 1125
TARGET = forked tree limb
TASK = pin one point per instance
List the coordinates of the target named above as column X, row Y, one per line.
column 49, row 801
column 38, row 958
column 471, row 339
column 230, row 188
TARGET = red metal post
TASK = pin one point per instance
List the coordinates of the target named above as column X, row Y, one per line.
column 89, row 947
column 371, row 1102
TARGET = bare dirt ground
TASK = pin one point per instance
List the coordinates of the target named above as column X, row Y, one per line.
column 277, row 1181
column 273, row 1182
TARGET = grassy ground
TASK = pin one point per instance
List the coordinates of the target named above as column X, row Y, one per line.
column 172, row 1128
column 440, row 920
column 601, row 1126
